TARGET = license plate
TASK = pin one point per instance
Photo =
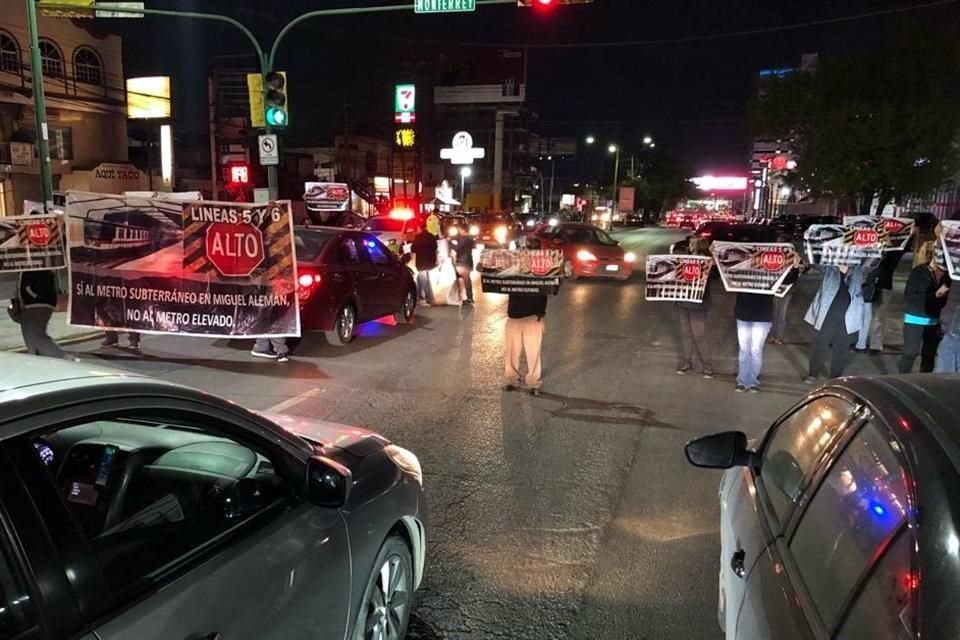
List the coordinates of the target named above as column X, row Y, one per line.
column 613, row 267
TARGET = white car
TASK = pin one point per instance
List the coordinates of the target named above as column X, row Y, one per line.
column 397, row 232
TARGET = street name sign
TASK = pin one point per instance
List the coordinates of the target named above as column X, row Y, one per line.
column 444, row 6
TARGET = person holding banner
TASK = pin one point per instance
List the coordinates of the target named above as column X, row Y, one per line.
column 836, row 314
column 112, row 339
column 425, row 251
column 924, row 297
column 36, row 302
column 523, row 335
column 693, row 321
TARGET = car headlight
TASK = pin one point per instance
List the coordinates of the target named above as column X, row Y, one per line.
column 474, row 230
column 453, row 232
column 585, row 256
column 406, row 461
column 500, row 234
column 630, row 257
column 553, row 222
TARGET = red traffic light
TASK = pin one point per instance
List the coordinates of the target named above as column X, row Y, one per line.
column 549, row 4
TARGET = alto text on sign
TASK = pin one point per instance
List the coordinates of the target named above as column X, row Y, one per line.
column 444, row 6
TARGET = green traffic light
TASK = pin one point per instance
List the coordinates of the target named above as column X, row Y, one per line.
column 276, row 117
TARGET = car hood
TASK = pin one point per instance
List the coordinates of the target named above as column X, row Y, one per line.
column 355, row 440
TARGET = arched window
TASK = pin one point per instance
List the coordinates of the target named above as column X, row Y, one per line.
column 9, row 53
column 51, row 58
column 87, row 66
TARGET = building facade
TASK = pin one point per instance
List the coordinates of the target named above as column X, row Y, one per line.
column 86, row 103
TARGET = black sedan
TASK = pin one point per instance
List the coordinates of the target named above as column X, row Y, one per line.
column 135, row 508
column 844, row 520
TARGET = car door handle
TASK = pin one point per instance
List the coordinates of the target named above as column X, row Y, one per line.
column 737, row 563
column 214, row 635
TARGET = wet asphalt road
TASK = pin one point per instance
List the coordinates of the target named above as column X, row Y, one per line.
column 573, row 515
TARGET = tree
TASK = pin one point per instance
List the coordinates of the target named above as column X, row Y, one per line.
column 661, row 182
column 879, row 125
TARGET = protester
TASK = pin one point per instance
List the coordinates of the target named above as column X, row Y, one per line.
column 271, row 349
column 836, row 315
column 948, row 353
column 463, row 247
column 693, row 321
column 425, row 250
column 781, row 304
column 112, row 339
column 924, row 298
column 34, row 306
column 876, row 281
column 523, row 335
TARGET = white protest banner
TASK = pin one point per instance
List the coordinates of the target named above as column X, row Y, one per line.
column 32, row 243
column 747, row 267
column 677, row 278
column 950, row 247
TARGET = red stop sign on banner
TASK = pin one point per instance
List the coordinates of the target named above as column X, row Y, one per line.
column 773, row 260
column 39, row 234
column 691, row 272
column 865, row 237
column 234, row 249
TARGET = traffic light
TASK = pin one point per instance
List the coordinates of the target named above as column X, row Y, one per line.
column 275, row 101
column 237, row 174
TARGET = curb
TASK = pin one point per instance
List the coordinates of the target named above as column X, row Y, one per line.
column 74, row 339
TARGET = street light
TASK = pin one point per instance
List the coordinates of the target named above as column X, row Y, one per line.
column 465, row 173
column 647, row 140
column 591, row 139
column 616, row 169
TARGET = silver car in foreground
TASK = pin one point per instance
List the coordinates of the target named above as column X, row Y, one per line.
column 131, row 508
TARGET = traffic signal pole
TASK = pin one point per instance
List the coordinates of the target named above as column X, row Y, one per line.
column 266, row 60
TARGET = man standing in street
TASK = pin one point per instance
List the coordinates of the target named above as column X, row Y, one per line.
column 526, row 322
column 463, row 246
column 425, row 250
column 36, row 301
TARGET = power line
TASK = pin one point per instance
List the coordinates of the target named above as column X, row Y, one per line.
column 633, row 43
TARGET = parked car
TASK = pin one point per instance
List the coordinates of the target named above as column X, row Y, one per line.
column 495, row 230
column 136, row 508
column 347, row 278
column 396, row 232
column 727, row 232
column 842, row 521
column 589, row 252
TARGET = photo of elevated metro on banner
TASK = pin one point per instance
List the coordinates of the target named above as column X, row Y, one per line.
column 212, row 269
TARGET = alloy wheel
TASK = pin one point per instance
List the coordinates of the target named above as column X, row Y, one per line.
column 347, row 323
column 386, row 608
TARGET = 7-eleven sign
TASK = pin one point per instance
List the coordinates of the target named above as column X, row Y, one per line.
column 405, row 104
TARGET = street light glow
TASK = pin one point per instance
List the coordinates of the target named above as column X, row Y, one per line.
column 591, row 139
column 466, row 172
column 612, row 148
column 648, row 140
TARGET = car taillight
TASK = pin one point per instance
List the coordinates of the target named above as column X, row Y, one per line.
column 308, row 283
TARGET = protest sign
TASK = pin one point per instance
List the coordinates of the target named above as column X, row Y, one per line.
column 327, row 196
column 857, row 241
column 747, row 267
column 677, row 278
column 214, row 269
column 949, row 252
column 531, row 271
column 31, row 243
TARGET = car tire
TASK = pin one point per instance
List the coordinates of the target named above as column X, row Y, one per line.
column 384, row 610
column 345, row 327
column 408, row 309
column 569, row 272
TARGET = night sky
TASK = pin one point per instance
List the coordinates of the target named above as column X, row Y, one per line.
column 691, row 95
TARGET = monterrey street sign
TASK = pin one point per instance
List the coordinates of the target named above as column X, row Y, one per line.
column 444, row 6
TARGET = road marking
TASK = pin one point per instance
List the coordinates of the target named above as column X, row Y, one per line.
column 294, row 401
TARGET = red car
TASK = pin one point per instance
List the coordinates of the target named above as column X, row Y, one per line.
column 347, row 278
column 589, row 252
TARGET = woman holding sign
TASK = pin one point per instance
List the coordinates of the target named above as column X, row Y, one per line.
column 836, row 315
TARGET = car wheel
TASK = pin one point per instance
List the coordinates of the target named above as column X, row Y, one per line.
column 385, row 608
column 569, row 272
column 408, row 309
column 344, row 328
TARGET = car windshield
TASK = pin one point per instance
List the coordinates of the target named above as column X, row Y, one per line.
column 389, row 225
column 310, row 243
column 587, row 235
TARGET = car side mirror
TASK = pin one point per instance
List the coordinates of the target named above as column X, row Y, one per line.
column 328, row 482
column 719, row 451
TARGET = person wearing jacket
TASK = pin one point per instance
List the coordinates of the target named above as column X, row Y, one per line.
column 37, row 298
column 836, row 315
column 754, row 314
column 425, row 250
column 693, row 321
column 924, row 298
column 876, row 281
column 948, row 353
column 463, row 247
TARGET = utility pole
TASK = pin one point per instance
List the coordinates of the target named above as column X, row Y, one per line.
column 211, row 90
column 616, row 176
column 40, row 107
